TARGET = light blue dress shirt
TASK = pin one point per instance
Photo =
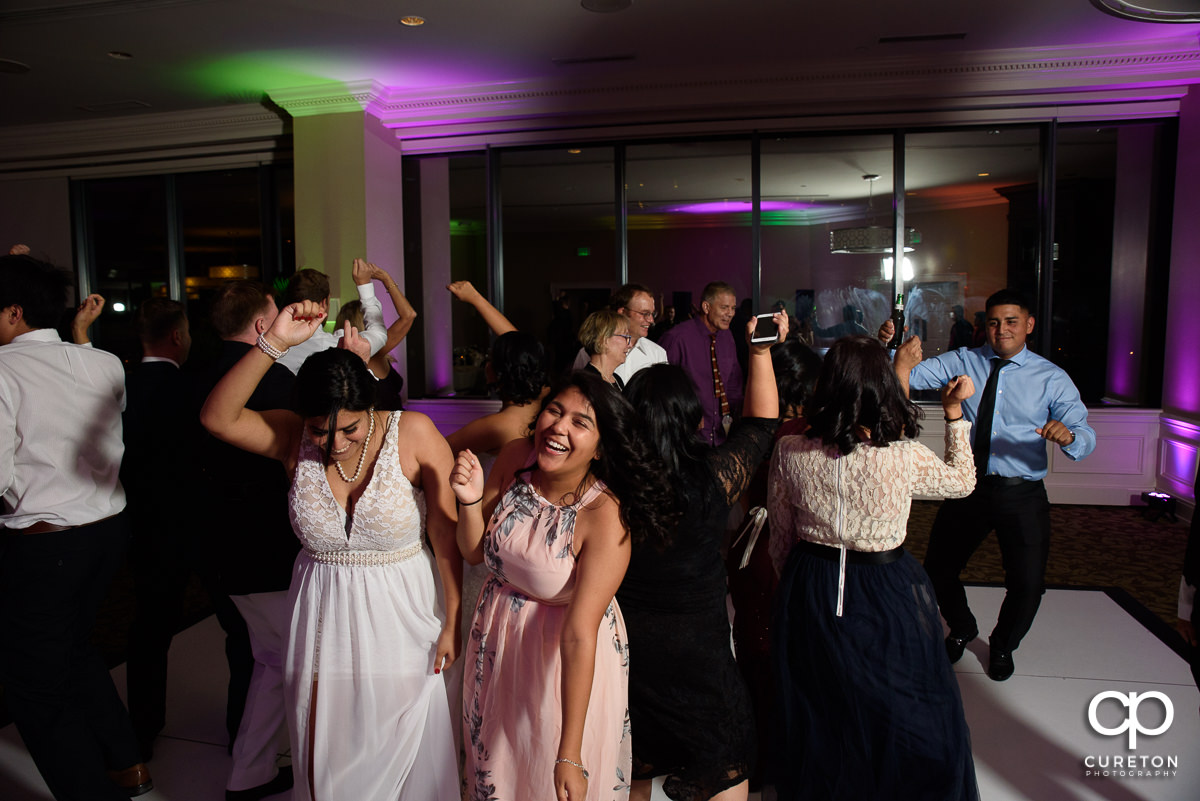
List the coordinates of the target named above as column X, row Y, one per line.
column 1031, row 391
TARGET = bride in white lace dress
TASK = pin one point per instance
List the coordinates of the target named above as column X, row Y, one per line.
column 371, row 627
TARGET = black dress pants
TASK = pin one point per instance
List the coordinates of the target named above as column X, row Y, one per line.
column 1019, row 513
column 57, row 687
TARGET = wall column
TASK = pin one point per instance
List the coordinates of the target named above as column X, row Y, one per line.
column 1179, row 451
column 348, row 203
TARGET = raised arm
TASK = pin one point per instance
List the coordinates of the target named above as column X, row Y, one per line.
column 604, row 550
column 762, row 395
column 374, row 331
column 272, row 434
column 406, row 315
column 477, row 499
column 436, row 462
column 467, row 293
column 85, row 315
column 907, row 357
column 953, row 477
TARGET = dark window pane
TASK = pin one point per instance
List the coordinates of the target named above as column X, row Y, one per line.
column 559, row 237
column 127, row 221
column 689, row 219
column 819, row 191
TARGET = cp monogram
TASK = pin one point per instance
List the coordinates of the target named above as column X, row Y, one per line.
column 1131, row 723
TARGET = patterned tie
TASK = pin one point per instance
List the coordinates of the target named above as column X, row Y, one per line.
column 983, row 421
column 718, row 386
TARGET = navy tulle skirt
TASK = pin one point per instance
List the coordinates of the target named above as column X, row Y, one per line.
column 870, row 704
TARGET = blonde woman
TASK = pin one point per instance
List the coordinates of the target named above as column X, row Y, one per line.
column 607, row 339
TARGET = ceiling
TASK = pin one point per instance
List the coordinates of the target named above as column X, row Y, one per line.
column 198, row 54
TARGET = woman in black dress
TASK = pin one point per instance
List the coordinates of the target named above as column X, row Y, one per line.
column 689, row 710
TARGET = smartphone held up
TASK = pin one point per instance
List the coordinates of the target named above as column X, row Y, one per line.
column 765, row 328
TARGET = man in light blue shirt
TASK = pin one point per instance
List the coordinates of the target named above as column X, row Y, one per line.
column 1032, row 401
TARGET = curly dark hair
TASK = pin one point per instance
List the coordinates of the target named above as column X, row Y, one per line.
column 796, row 369
column 665, row 398
column 626, row 464
column 858, row 389
column 330, row 381
column 519, row 366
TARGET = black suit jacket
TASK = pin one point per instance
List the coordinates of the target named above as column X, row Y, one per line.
column 245, row 515
column 158, row 469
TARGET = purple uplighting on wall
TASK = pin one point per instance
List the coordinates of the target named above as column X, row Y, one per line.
column 744, row 206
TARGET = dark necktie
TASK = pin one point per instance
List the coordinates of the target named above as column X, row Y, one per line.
column 983, row 421
column 718, row 387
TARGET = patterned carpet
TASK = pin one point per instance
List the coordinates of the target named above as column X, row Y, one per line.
column 1090, row 546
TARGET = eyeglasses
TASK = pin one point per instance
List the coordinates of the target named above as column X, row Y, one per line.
column 645, row 315
column 626, row 337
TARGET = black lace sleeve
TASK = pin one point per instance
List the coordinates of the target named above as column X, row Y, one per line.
column 734, row 463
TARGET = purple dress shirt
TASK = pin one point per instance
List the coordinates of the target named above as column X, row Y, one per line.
column 687, row 345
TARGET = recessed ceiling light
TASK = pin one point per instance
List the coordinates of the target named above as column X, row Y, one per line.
column 574, row 151
column 412, row 21
column 984, row 174
column 120, row 55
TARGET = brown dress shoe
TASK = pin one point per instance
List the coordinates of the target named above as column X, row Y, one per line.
column 134, row 780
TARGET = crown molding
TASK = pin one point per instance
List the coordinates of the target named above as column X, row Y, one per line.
column 142, row 137
column 915, row 83
column 332, row 98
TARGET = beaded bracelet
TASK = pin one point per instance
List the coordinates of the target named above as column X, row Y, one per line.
column 572, row 762
column 269, row 349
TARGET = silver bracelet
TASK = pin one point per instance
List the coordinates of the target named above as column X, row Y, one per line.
column 572, row 762
column 269, row 349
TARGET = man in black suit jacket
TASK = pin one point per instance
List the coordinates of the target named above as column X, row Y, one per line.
column 248, row 532
column 159, row 431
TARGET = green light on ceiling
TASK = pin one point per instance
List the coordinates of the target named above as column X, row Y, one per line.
column 249, row 77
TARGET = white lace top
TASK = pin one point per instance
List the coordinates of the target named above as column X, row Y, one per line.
column 859, row 501
column 389, row 515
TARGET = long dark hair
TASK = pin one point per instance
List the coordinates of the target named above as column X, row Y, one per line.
column 330, row 381
column 858, row 389
column 519, row 366
column 796, row 369
column 626, row 464
column 665, row 398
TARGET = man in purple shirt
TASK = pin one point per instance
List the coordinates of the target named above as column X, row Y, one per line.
column 704, row 347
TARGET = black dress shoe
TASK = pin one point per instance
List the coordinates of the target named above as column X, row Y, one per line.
column 956, row 644
column 1000, row 665
column 134, row 780
column 282, row 782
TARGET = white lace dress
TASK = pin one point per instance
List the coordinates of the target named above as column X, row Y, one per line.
column 369, row 718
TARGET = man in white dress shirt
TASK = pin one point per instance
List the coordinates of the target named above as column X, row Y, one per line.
column 635, row 302
column 64, row 536
column 314, row 285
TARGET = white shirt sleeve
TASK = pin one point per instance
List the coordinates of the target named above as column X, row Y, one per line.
column 374, row 330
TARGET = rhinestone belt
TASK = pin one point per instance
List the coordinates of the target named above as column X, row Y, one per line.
column 364, row 558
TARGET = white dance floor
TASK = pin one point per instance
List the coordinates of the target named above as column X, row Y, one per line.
column 1031, row 735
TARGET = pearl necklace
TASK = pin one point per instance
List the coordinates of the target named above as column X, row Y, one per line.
column 362, row 456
